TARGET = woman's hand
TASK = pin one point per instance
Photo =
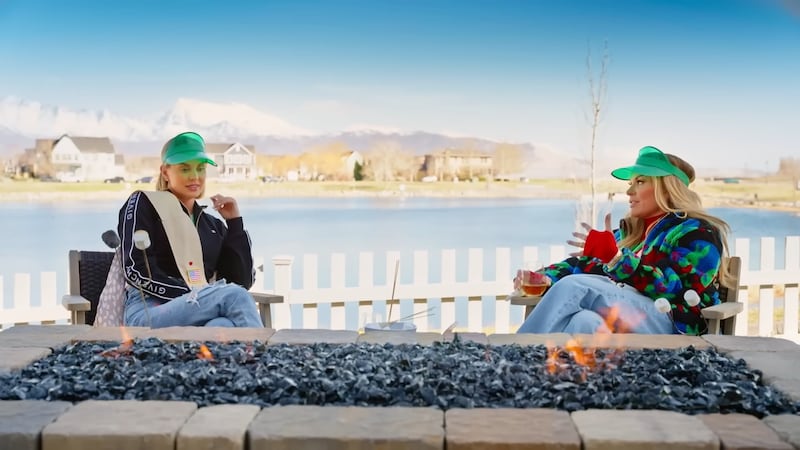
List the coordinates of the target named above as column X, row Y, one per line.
column 580, row 241
column 226, row 206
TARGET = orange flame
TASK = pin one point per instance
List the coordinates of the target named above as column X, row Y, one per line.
column 552, row 363
column 125, row 346
column 615, row 324
column 205, row 353
column 125, row 336
column 584, row 356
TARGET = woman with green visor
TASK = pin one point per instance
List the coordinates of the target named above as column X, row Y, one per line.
column 182, row 265
column 667, row 247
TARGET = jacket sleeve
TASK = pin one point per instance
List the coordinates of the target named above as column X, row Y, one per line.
column 139, row 214
column 236, row 257
column 690, row 258
column 573, row 265
column 578, row 264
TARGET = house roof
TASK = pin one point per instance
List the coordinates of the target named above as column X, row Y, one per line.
column 91, row 144
column 217, row 148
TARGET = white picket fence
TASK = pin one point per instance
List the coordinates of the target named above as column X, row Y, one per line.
column 469, row 300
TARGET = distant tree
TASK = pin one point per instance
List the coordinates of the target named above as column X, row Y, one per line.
column 358, row 171
column 789, row 167
column 507, row 159
column 388, row 161
column 471, row 150
column 327, row 159
column 284, row 163
column 597, row 93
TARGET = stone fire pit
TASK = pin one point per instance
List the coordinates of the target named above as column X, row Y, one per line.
column 338, row 371
column 456, row 374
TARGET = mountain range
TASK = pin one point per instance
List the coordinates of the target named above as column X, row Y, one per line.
column 24, row 120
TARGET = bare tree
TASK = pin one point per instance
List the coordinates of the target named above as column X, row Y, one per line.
column 597, row 91
column 388, row 161
column 327, row 159
column 507, row 160
column 471, row 150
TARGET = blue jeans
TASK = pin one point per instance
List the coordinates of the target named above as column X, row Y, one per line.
column 217, row 305
column 580, row 303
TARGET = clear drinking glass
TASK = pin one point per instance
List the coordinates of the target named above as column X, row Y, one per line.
column 532, row 282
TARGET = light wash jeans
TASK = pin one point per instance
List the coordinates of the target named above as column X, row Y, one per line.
column 580, row 303
column 219, row 304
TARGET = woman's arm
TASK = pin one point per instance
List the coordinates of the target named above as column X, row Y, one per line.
column 573, row 265
column 138, row 214
column 236, row 257
column 686, row 256
column 601, row 247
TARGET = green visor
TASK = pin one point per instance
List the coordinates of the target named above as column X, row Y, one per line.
column 185, row 147
column 652, row 163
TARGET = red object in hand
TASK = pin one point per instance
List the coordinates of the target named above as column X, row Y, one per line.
column 601, row 245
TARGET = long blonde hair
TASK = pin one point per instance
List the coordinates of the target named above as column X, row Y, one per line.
column 161, row 182
column 672, row 196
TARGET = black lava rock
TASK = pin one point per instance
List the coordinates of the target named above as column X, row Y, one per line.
column 443, row 375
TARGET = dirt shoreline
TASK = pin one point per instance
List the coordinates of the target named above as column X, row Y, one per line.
column 121, row 195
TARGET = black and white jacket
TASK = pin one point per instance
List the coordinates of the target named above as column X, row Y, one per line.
column 227, row 251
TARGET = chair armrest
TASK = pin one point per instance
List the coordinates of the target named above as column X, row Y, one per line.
column 264, row 298
column 264, row 301
column 525, row 300
column 75, row 303
column 722, row 311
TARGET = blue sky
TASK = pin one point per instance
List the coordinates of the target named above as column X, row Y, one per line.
column 712, row 80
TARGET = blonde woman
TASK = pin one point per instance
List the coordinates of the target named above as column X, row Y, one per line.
column 166, row 290
column 666, row 247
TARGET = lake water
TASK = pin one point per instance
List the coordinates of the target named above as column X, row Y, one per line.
column 37, row 236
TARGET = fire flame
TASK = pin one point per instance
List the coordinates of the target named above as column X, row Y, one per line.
column 552, row 362
column 125, row 346
column 205, row 353
column 614, row 324
column 575, row 353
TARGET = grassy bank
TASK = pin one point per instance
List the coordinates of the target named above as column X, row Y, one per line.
column 747, row 193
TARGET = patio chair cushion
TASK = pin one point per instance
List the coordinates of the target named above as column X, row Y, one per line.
column 111, row 303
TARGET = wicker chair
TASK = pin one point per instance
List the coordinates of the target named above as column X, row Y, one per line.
column 721, row 318
column 88, row 271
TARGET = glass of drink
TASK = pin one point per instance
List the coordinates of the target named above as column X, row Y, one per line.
column 532, row 281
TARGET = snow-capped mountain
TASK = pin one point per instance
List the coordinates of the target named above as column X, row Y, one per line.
column 216, row 121
column 222, row 121
column 22, row 121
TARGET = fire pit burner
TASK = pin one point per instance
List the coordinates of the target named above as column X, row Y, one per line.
column 449, row 375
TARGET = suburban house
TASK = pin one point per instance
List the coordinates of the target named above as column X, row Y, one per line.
column 10, row 167
column 458, row 163
column 234, row 161
column 83, row 158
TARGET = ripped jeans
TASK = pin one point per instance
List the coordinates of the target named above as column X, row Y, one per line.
column 219, row 304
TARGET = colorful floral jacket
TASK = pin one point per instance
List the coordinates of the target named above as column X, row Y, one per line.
column 678, row 254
